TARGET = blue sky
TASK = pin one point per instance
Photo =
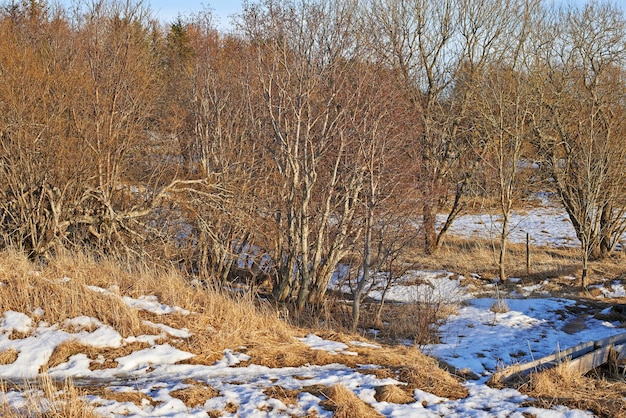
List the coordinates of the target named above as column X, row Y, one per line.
column 167, row 10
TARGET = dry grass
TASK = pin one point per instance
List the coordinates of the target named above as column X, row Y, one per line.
column 480, row 256
column 8, row 356
column 286, row 396
column 499, row 306
column 224, row 321
column 562, row 386
column 345, row 404
column 218, row 320
column 440, row 384
column 135, row 397
column 417, row 322
column 45, row 399
column 63, row 352
column 101, row 357
column 407, row 364
column 27, row 287
column 393, row 394
column 196, row 394
column 557, row 265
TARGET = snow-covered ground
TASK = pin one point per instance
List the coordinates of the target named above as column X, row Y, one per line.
column 547, row 225
column 473, row 338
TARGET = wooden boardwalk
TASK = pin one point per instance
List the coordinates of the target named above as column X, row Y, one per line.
column 581, row 358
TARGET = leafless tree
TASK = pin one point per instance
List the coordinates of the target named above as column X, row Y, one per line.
column 502, row 113
column 439, row 49
column 380, row 157
column 76, row 148
column 304, row 52
column 579, row 124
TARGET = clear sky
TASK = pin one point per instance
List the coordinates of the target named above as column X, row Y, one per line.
column 168, row 10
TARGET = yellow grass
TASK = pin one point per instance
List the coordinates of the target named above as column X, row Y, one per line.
column 196, row 394
column 8, row 356
column 216, row 321
column 345, row 404
column 406, row 364
column 135, row 397
column 44, row 399
column 60, row 288
column 393, row 394
column 563, row 386
column 62, row 296
column 286, row 396
column 101, row 357
column 480, row 256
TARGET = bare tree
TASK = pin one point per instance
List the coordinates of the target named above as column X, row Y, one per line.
column 579, row 125
column 77, row 139
column 502, row 111
column 206, row 106
column 380, row 157
column 304, row 52
column 439, row 49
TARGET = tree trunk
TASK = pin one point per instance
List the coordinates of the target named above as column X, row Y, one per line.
column 365, row 276
column 503, row 234
column 502, row 257
column 586, row 251
column 583, row 277
column 429, row 218
column 604, row 246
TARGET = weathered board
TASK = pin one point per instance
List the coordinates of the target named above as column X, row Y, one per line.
column 582, row 357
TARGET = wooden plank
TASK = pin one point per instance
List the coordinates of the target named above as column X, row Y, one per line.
column 543, row 363
column 590, row 361
column 614, row 340
column 584, row 355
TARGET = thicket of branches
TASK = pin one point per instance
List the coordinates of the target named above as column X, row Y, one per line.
column 317, row 131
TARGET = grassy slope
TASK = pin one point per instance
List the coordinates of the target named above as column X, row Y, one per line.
column 217, row 321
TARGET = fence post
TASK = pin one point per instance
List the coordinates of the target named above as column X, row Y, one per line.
column 527, row 254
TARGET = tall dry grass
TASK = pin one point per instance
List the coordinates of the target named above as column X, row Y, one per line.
column 562, row 385
column 480, row 256
column 558, row 265
column 61, row 290
column 45, row 399
column 345, row 404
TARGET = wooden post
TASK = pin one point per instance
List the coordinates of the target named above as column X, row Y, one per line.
column 527, row 254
